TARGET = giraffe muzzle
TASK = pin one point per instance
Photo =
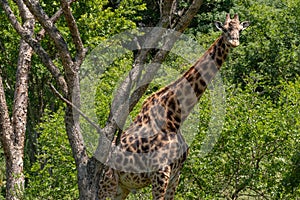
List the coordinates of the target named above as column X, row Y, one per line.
column 234, row 42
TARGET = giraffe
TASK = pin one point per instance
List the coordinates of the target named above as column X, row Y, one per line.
column 152, row 150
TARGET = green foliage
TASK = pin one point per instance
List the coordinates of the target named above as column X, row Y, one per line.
column 253, row 154
column 53, row 175
column 99, row 20
column 270, row 46
column 290, row 100
column 109, row 81
column 210, row 11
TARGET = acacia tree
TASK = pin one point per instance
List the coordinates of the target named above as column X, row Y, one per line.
column 172, row 15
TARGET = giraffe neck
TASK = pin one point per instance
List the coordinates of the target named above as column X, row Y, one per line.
column 219, row 51
column 170, row 106
column 190, row 87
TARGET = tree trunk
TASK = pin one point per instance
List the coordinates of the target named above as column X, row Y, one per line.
column 75, row 137
column 12, row 131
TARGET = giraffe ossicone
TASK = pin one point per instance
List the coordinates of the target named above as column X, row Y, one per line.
column 152, row 149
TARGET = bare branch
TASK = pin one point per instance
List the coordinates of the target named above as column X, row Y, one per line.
column 61, row 97
column 61, row 45
column 188, row 16
column 166, row 9
column 74, row 30
column 36, row 46
column 166, row 12
column 151, row 71
column 54, row 18
column 12, row 17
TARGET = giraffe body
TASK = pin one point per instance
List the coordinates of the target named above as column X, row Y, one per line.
column 152, row 150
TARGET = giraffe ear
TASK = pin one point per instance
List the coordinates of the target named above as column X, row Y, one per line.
column 245, row 25
column 219, row 25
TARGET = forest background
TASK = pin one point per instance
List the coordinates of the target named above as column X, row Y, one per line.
column 257, row 154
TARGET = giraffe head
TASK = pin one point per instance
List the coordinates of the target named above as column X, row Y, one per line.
column 231, row 29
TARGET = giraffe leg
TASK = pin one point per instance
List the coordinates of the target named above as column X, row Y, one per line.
column 122, row 193
column 108, row 185
column 160, row 182
column 170, row 193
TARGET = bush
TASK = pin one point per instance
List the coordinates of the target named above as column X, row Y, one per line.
column 53, row 175
column 257, row 152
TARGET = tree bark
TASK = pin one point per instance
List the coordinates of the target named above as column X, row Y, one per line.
column 12, row 131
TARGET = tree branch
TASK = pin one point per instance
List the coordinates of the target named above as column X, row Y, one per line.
column 166, row 9
column 62, row 47
column 61, row 97
column 12, row 17
column 74, row 31
column 36, row 46
column 151, row 71
column 54, row 18
column 186, row 19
